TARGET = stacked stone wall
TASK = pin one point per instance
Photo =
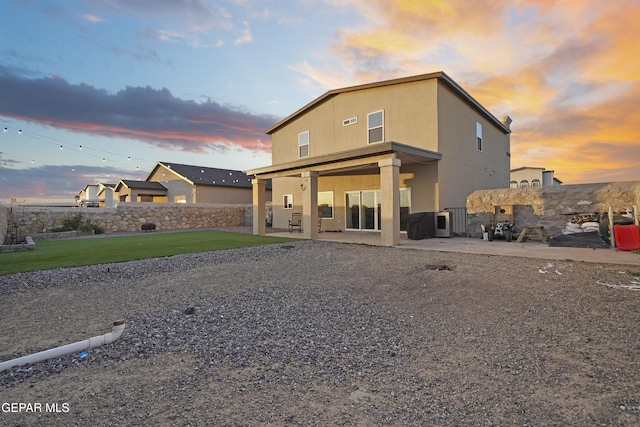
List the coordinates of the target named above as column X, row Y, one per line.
column 4, row 223
column 550, row 207
column 129, row 217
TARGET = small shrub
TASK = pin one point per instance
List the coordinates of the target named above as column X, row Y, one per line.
column 75, row 222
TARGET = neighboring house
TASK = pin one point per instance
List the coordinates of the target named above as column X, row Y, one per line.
column 88, row 196
column 366, row 156
column 107, row 195
column 140, row 191
column 200, row 184
column 532, row 177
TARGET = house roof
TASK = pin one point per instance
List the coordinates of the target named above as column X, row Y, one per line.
column 140, row 185
column 440, row 75
column 202, row 175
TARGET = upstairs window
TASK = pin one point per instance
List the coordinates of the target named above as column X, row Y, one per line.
column 303, row 144
column 375, row 127
column 535, row 183
column 524, row 183
column 479, row 136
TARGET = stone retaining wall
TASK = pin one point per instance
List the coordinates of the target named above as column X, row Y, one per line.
column 550, row 207
column 128, row 217
column 4, row 222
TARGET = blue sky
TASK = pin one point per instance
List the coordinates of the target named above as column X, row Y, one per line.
column 103, row 89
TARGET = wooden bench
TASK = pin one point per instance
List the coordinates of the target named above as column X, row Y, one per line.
column 530, row 231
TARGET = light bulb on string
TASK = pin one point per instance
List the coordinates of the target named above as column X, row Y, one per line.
column 80, row 147
column 61, row 147
column 19, row 131
column 5, row 130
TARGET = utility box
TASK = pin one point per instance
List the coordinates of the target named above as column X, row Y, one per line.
column 442, row 222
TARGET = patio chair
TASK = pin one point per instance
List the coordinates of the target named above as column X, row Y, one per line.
column 295, row 222
column 319, row 221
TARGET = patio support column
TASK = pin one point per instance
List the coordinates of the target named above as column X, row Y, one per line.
column 259, row 200
column 310, row 204
column 390, row 204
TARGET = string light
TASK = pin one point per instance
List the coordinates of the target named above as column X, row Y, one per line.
column 57, row 143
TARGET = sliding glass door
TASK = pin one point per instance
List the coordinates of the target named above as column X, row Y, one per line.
column 353, row 210
column 364, row 209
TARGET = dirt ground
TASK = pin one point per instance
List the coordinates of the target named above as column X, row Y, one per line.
column 329, row 334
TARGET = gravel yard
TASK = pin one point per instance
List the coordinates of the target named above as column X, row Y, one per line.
column 319, row 333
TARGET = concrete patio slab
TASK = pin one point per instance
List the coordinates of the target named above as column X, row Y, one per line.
column 529, row 249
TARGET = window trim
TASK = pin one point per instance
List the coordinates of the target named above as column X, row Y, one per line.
column 300, row 145
column 369, row 128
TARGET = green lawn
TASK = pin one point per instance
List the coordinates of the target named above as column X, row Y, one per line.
column 76, row 252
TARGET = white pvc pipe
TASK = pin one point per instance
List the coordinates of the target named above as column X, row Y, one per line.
column 116, row 332
column 612, row 238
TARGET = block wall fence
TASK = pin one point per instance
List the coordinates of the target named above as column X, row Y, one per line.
column 127, row 217
column 550, row 207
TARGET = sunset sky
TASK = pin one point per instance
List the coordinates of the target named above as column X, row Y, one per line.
column 100, row 90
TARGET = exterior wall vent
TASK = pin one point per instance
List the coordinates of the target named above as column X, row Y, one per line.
column 350, row 121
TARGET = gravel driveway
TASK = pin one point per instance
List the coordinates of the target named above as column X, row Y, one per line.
column 317, row 333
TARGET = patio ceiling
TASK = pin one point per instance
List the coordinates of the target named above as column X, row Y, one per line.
column 356, row 161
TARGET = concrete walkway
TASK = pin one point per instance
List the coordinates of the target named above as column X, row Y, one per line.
column 529, row 249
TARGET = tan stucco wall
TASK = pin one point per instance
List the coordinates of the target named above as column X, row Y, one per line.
column 207, row 194
column 409, row 115
column 463, row 169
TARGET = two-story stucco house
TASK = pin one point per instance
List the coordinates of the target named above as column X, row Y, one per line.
column 366, row 156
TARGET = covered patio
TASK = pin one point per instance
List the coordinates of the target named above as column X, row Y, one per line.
column 383, row 159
